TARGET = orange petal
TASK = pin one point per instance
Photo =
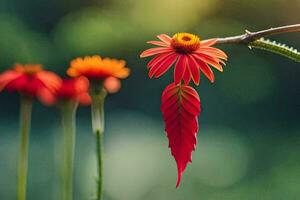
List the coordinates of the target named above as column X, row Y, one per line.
column 154, row 51
column 208, row 42
column 112, row 84
column 214, row 52
column 165, row 38
column 158, row 43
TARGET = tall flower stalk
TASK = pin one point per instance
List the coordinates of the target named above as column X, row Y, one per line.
column 25, row 121
column 68, row 113
column 71, row 93
column 98, row 94
column 104, row 75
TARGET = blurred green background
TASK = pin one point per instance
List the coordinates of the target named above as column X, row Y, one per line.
column 249, row 138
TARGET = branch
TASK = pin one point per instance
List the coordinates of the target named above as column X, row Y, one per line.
column 251, row 36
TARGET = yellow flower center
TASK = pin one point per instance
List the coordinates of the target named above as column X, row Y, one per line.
column 28, row 69
column 185, row 42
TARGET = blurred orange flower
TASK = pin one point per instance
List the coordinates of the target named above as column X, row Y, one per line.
column 108, row 70
column 76, row 89
column 95, row 67
column 31, row 80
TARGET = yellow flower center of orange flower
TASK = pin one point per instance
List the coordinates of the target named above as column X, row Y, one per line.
column 185, row 42
column 28, row 69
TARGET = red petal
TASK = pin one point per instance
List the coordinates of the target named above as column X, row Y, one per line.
column 19, row 84
column 187, row 76
column 206, row 70
column 165, row 38
column 192, row 64
column 166, row 66
column 180, row 68
column 162, row 66
column 157, row 59
column 50, row 80
column 209, row 60
column 154, row 51
column 7, row 77
column 46, row 96
column 84, row 99
column 180, row 108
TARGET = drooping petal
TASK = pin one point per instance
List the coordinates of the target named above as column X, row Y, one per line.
column 85, row 99
column 209, row 60
column 165, row 38
column 206, row 70
column 46, row 96
column 181, row 107
column 180, row 68
column 157, row 59
column 155, row 50
column 7, row 77
column 50, row 80
column 17, row 84
column 163, row 65
column 192, row 64
column 112, row 85
column 166, row 66
column 187, row 76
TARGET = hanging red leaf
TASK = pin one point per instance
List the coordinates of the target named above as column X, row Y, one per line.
column 180, row 108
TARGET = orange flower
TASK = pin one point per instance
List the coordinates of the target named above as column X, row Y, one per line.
column 107, row 70
column 76, row 89
column 31, row 80
column 190, row 55
column 95, row 67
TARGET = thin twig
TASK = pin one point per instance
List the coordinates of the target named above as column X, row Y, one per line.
column 251, row 36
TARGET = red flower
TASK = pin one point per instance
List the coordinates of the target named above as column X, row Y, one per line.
column 180, row 107
column 189, row 54
column 76, row 89
column 31, row 80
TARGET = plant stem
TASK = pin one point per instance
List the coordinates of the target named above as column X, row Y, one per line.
column 99, row 140
column 68, row 113
column 251, row 36
column 25, row 120
column 98, row 97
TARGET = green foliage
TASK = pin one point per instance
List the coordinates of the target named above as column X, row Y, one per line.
column 277, row 48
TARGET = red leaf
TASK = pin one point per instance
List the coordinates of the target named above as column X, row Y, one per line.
column 180, row 108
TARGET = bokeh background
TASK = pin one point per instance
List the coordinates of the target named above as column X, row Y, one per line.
column 249, row 138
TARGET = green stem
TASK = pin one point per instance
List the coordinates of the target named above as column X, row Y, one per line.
column 99, row 140
column 98, row 98
column 68, row 113
column 25, row 120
